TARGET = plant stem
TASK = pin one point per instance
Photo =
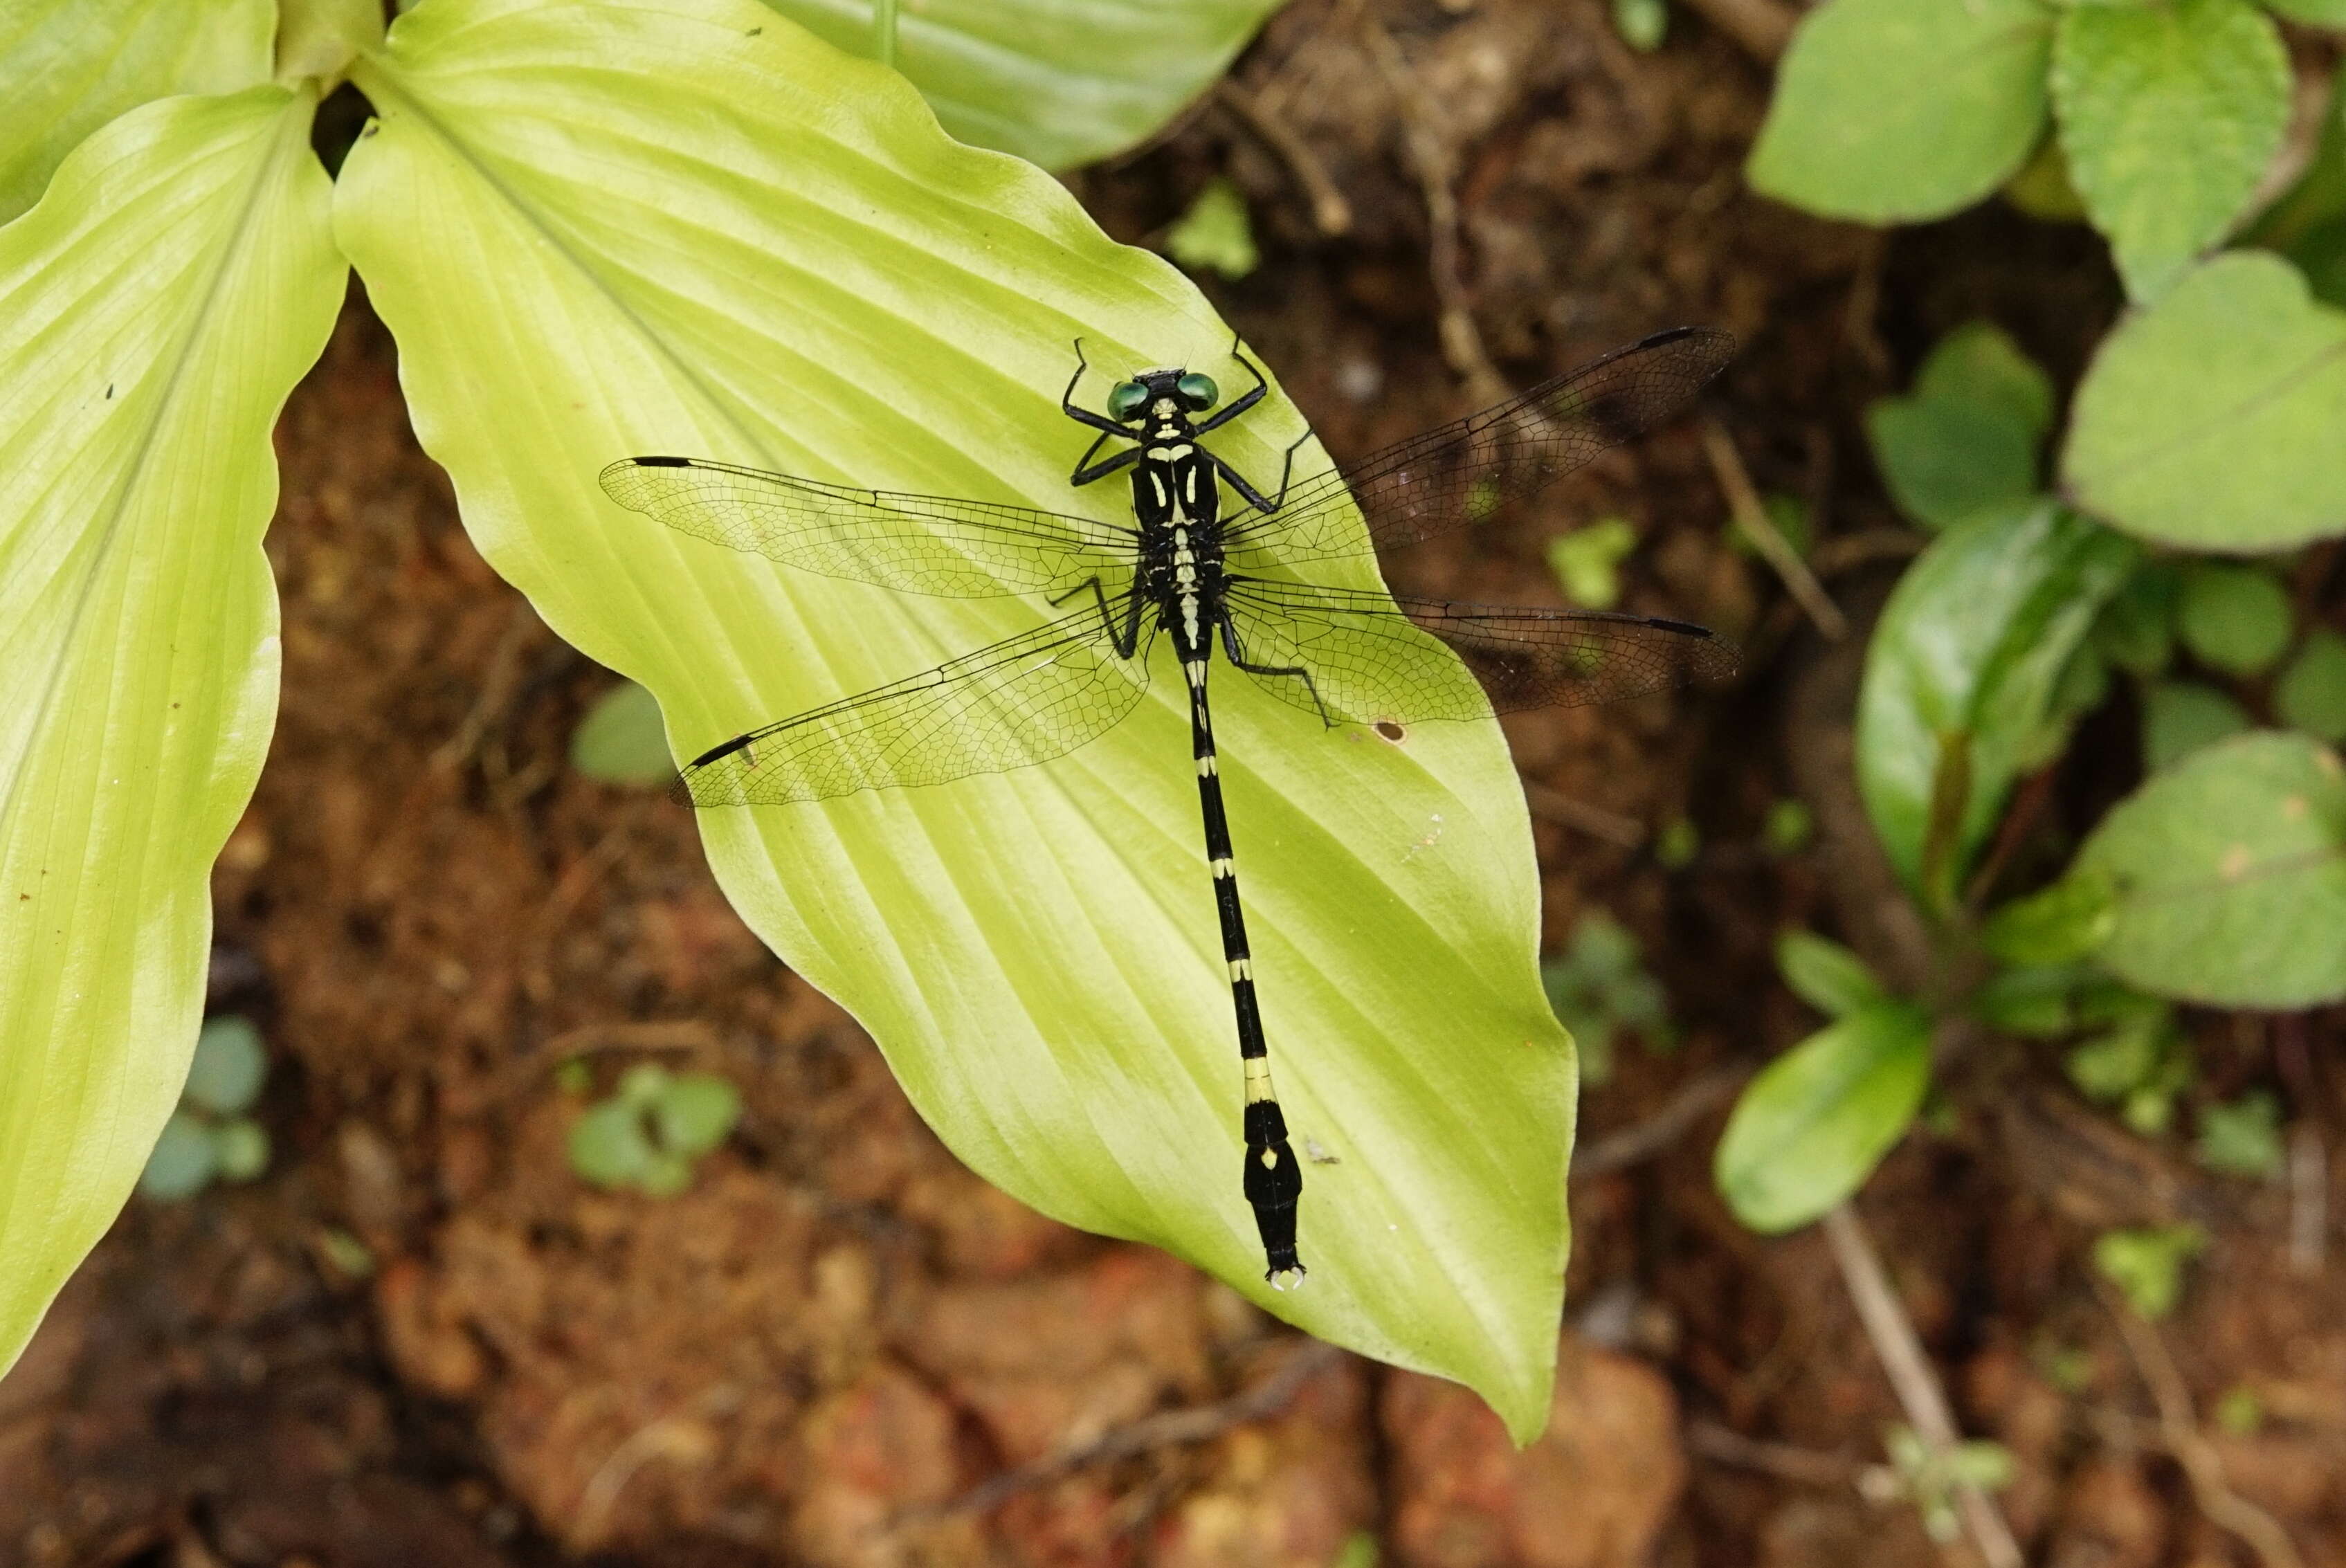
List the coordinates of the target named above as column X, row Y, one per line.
column 1913, row 1379
column 883, row 32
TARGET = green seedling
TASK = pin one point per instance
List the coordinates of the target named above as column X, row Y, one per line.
column 1586, row 562
column 1600, row 990
column 209, row 1139
column 647, row 1137
column 2240, row 1412
column 2146, row 1264
column 1215, row 235
column 1929, row 1479
column 1788, row 827
column 2242, row 1138
column 2141, row 1062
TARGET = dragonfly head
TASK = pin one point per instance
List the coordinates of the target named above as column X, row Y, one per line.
column 1150, row 391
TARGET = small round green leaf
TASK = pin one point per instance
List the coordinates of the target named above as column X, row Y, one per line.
column 185, row 1160
column 1978, row 365
column 2211, row 419
column 2179, row 716
column 229, row 1065
column 694, row 1112
column 1826, row 975
column 1586, row 562
column 243, row 1149
column 622, row 740
column 1891, row 111
column 2311, row 693
column 2232, row 874
column 1813, row 1125
column 2233, row 618
column 1944, row 460
column 2168, row 114
column 609, row 1146
column 1642, row 24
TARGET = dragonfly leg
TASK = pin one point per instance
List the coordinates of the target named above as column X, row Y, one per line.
column 1261, row 386
column 1269, row 506
column 1098, row 422
column 1240, row 661
column 1087, row 469
column 1126, row 639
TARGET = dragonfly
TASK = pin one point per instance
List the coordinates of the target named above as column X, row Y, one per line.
column 1208, row 564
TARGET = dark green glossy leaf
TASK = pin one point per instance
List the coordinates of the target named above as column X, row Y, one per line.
column 1966, row 664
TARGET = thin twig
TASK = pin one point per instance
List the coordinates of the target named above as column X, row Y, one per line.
column 2309, row 1154
column 1170, row 1429
column 1615, row 1151
column 1752, row 516
column 498, row 686
column 1848, row 552
column 2179, row 1434
column 1329, row 211
column 1807, row 1467
column 1593, row 820
column 1429, row 157
column 1913, row 1379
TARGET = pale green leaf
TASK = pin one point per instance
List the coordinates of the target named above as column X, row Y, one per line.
column 2210, row 420
column 598, row 230
column 2232, row 617
column 1966, row 664
column 230, row 1066
column 68, row 67
column 1058, row 82
column 2147, row 1264
column 154, row 310
column 2232, row 874
column 2168, row 114
column 1813, row 1125
column 1891, row 111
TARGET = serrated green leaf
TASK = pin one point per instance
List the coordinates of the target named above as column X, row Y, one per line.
column 598, row 230
column 1969, row 654
column 2231, row 869
column 2181, row 716
column 156, row 308
column 621, row 739
column 2209, row 421
column 1826, row 975
column 1890, row 111
column 2233, row 618
column 2312, row 692
column 1058, row 82
column 1813, row 1125
column 2168, row 115
column 2055, row 925
column 70, row 65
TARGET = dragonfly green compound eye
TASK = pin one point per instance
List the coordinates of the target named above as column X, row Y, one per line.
column 1198, row 391
column 1124, row 401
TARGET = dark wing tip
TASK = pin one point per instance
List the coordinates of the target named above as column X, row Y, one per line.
column 658, row 462
column 714, row 752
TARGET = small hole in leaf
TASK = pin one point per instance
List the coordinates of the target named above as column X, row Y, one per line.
column 1390, row 730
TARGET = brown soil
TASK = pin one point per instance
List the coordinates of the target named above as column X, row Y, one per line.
column 840, row 1348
